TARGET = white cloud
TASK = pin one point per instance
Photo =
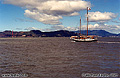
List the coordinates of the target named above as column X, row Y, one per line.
column 71, row 28
column 61, row 27
column 50, row 11
column 23, row 20
column 63, row 7
column 102, row 26
column 18, row 28
column 97, row 26
column 73, row 14
column 57, row 27
column 101, row 17
column 31, row 28
column 44, row 18
column 116, row 21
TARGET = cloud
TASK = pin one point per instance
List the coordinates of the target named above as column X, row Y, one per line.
column 18, row 28
column 73, row 14
column 97, row 26
column 102, row 26
column 23, row 20
column 57, row 27
column 116, row 21
column 61, row 27
column 63, row 7
column 71, row 28
column 101, row 17
column 50, row 11
column 31, row 28
column 44, row 18
column 112, row 28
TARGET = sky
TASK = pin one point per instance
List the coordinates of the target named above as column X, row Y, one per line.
column 51, row 15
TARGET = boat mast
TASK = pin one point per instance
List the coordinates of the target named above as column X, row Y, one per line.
column 87, row 21
column 80, row 26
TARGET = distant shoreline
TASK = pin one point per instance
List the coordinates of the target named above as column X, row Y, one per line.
column 51, row 37
column 59, row 33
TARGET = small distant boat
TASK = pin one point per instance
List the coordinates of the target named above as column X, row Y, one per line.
column 84, row 38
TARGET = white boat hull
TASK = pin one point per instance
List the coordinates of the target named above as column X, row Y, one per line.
column 85, row 40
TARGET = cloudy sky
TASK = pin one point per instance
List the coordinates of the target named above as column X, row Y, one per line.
column 50, row 15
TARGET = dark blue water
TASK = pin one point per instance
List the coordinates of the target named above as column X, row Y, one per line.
column 58, row 57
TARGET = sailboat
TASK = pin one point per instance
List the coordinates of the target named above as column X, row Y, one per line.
column 84, row 38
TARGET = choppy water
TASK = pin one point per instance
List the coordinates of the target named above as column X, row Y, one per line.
column 58, row 57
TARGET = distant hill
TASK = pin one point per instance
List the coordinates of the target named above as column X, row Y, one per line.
column 38, row 33
column 102, row 33
column 59, row 33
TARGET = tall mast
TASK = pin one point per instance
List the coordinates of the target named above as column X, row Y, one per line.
column 87, row 21
column 80, row 26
